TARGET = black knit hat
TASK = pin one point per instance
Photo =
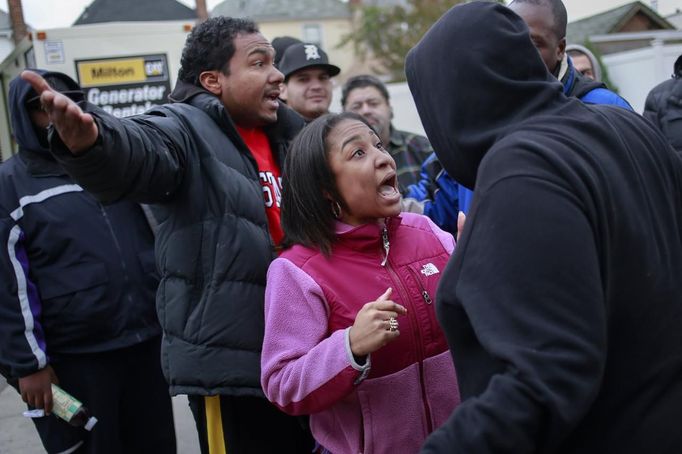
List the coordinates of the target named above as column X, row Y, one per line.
column 304, row 55
column 281, row 44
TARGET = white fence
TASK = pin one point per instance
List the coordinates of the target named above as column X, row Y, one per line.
column 636, row 72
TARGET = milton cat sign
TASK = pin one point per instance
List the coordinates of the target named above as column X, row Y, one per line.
column 124, row 86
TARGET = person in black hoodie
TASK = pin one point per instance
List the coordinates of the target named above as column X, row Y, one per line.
column 562, row 303
column 663, row 106
column 77, row 293
column 210, row 163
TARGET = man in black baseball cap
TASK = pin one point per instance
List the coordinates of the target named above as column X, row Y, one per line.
column 307, row 84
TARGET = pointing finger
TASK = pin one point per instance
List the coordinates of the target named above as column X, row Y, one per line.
column 386, row 295
column 37, row 81
column 390, row 306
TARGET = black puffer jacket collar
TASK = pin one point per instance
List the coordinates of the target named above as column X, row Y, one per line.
column 280, row 133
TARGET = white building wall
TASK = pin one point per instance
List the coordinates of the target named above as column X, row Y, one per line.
column 113, row 39
column 6, row 46
column 332, row 31
column 636, row 72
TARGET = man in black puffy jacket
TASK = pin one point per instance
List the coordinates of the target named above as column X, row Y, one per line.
column 663, row 106
column 77, row 286
column 210, row 162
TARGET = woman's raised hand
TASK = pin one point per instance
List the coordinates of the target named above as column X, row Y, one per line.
column 375, row 325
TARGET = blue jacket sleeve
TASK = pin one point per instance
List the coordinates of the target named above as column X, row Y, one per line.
column 22, row 340
column 438, row 194
column 604, row 96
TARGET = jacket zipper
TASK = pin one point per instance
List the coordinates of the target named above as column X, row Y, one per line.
column 415, row 325
column 386, row 244
column 118, row 248
column 425, row 295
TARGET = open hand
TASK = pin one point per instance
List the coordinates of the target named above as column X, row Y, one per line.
column 76, row 128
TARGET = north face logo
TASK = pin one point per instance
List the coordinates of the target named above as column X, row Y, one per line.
column 429, row 269
column 311, row 52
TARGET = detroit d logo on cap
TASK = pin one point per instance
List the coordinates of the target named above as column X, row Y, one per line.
column 311, row 52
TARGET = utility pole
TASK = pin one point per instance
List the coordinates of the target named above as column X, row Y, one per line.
column 202, row 11
column 16, row 16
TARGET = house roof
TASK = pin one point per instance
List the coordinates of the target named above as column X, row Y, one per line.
column 269, row 10
column 134, row 10
column 612, row 21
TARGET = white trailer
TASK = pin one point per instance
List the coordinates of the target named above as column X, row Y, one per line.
column 124, row 67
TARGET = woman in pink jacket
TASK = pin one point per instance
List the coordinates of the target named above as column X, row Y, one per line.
column 351, row 336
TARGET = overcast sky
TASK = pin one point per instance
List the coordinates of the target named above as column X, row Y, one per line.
column 44, row 14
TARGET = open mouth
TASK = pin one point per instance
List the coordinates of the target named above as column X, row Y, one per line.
column 273, row 98
column 389, row 185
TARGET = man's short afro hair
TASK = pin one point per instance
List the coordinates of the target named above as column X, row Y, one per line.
column 210, row 46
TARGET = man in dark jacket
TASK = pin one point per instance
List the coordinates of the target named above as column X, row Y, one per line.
column 547, row 21
column 77, row 286
column 663, row 106
column 210, row 161
column 562, row 301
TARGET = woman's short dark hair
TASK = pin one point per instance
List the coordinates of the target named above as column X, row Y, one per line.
column 210, row 46
column 308, row 184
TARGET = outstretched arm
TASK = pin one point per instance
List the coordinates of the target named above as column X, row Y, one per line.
column 76, row 128
column 141, row 158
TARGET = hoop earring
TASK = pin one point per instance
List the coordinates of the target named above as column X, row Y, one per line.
column 336, row 209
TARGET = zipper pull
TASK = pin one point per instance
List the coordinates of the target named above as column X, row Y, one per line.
column 387, row 245
column 426, row 297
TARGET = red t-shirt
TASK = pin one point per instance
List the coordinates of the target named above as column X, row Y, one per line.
column 270, row 178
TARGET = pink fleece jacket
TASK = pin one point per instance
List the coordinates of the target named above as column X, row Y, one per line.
column 404, row 390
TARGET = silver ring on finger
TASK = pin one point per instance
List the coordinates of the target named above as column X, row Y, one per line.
column 392, row 324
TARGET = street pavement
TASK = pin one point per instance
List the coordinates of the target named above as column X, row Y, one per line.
column 18, row 435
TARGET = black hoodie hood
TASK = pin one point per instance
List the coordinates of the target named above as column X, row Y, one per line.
column 19, row 92
column 474, row 76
